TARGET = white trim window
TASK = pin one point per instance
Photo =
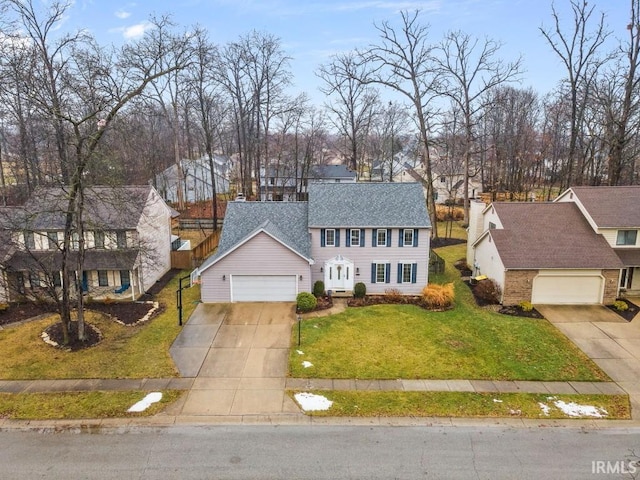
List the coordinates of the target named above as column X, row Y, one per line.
column 355, row 237
column 408, row 237
column 330, row 237
column 381, row 273
column 381, row 237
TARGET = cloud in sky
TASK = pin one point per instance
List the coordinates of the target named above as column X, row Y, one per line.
column 122, row 14
column 134, row 31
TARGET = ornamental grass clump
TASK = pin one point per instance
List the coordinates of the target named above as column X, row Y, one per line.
column 440, row 297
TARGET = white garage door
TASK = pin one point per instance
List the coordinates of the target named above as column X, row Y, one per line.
column 263, row 288
column 567, row 289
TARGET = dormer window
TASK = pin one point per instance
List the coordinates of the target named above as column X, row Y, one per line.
column 626, row 237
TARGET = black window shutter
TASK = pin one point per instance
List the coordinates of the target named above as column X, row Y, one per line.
column 322, row 235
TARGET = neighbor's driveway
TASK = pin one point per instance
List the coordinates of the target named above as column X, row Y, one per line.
column 238, row 354
column 610, row 341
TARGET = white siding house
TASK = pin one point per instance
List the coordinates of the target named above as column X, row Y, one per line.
column 374, row 233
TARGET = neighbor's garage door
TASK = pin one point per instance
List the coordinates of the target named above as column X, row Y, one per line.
column 567, row 289
column 263, row 288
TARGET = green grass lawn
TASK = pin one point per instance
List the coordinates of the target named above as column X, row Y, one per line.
column 464, row 404
column 466, row 342
column 68, row 405
column 125, row 352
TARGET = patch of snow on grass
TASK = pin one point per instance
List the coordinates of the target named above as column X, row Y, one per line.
column 545, row 408
column 146, row 402
column 306, row 364
column 311, row 402
column 299, row 352
column 576, row 410
column 495, row 400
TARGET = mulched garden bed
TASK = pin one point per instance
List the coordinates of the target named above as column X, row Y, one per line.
column 517, row 311
column 53, row 336
column 385, row 300
column 18, row 312
column 128, row 313
column 628, row 314
column 446, row 242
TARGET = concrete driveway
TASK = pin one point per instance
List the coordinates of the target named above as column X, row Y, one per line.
column 238, row 355
column 609, row 340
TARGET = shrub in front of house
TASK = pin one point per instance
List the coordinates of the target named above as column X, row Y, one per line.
column 359, row 290
column 526, row 306
column 620, row 305
column 306, row 301
column 393, row 295
column 436, row 296
column 318, row 288
column 487, row 292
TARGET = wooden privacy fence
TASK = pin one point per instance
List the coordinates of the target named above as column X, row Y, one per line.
column 187, row 259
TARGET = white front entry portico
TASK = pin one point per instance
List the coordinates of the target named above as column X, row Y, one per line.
column 338, row 274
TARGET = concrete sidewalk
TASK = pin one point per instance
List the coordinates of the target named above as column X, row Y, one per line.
column 610, row 341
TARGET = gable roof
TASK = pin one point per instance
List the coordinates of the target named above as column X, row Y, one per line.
column 367, row 205
column 331, row 171
column 530, row 241
column 284, row 221
column 113, row 208
column 610, row 207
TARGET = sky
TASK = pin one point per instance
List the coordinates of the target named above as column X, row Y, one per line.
column 312, row 30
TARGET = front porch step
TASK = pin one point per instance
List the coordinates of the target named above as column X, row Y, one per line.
column 342, row 293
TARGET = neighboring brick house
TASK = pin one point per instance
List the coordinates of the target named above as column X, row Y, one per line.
column 614, row 213
column 127, row 238
column 544, row 253
column 374, row 233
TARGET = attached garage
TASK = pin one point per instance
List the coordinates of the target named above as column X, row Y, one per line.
column 568, row 288
column 263, row 288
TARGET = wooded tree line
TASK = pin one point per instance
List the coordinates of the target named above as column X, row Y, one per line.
column 74, row 113
column 121, row 115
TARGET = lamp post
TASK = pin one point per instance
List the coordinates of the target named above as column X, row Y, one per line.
column 179, row 297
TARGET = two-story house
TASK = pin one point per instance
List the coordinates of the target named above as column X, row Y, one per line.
column 284, row 183
column 583, row 248
column 374, row 233
column 614, row 213
column 127, row 242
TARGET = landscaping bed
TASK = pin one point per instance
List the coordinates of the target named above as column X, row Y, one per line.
column 628, row 314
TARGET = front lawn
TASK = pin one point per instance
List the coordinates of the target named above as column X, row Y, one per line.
column 141, row 351
column 68, row 405
column 469, row 404
column 466, row 342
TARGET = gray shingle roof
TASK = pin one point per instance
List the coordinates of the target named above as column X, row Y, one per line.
column 611, row 207
column 287, row 221
column 113, row 208
column 367, row 205
column 331, row 171
column 549, row 235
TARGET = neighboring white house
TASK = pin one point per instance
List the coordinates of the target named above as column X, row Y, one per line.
column 374, row 233
column 127, row 241
column 196, row 179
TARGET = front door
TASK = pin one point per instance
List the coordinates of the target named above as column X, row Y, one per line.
column 338, row 274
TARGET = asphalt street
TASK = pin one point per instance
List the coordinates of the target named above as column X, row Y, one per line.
column 317, row 452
